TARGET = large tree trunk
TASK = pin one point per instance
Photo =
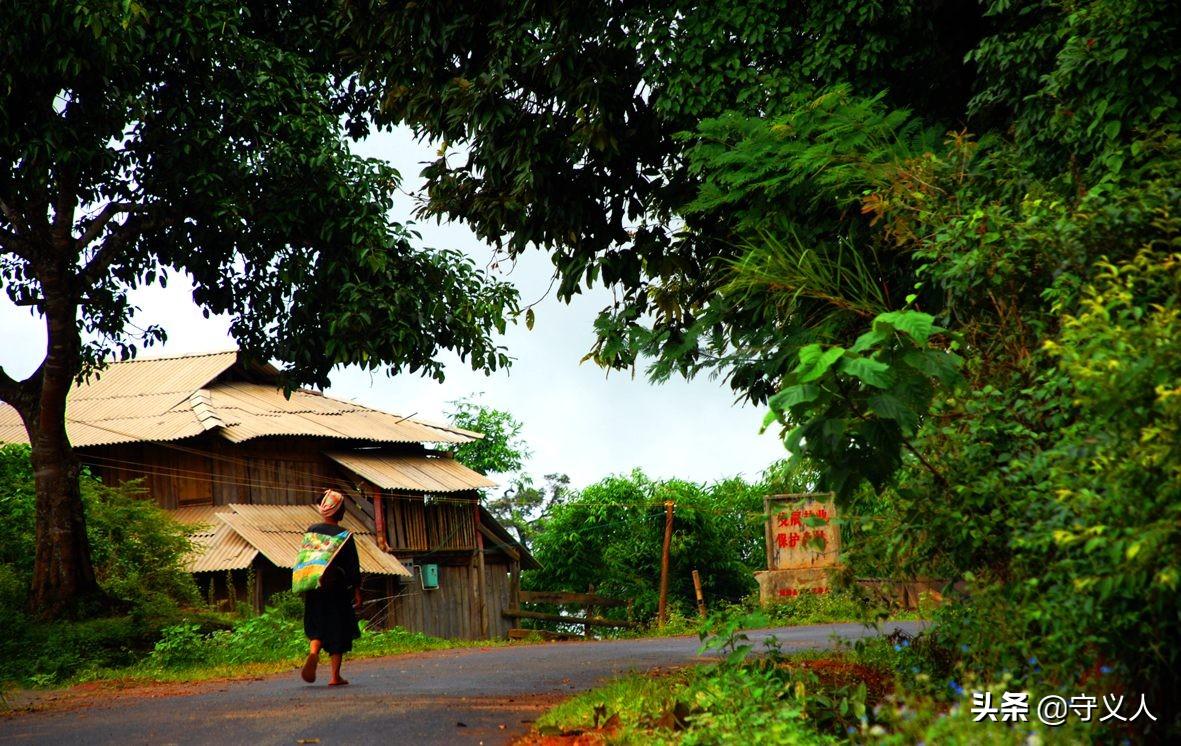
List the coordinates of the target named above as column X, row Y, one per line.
column 63, row 575
column 62, row 572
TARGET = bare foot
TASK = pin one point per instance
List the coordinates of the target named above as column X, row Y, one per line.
column 338, row 682
column 308, row 673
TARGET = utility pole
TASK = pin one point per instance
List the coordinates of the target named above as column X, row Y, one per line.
column 662, row 612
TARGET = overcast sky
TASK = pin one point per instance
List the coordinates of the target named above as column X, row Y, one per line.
column 578, row 420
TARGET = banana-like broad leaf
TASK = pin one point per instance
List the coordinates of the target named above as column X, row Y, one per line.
column 918, row 325
column 871, row 372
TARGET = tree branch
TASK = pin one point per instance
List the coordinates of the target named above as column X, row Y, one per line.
column 10, row 388
column 14, row 217
column 63, row 207
column 119, row 240
column 100, row 221
column 16, row 240
column 8, row 241
column 938, row 476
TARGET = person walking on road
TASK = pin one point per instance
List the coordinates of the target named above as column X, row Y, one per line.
column 328, row 572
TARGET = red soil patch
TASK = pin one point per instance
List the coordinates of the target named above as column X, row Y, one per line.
column 837, row 672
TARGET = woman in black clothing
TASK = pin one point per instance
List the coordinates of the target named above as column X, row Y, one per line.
column 329, row 618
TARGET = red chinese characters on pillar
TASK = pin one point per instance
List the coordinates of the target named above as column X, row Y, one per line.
column 794, row 592
column 801, row 534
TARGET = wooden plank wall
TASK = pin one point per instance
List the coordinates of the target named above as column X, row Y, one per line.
column 445, row 612
column 172, row 478
column 203, row 471
column 416, row 525
column 405, row 522
column 498, row 587
column 452, row 611
column 450, row 525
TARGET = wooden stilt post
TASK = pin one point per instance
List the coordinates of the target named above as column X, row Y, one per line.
column 662, row 611
column 481, row 590
column 379, row 521
column 700, row 597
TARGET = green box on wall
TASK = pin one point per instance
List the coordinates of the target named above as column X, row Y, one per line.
column 429, row 575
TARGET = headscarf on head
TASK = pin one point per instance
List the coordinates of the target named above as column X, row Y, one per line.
column 330, row 503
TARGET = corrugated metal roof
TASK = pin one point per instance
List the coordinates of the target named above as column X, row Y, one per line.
column 222, row 550
column 162, row 399
column 244, row 531
column 253, row 410
column 411, row 472
column 155, row 375
column 204, row 516
column 276, row 530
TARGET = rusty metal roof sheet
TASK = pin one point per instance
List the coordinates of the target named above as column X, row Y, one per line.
column 224, row 549
column 163, row 399
column 240, row 533
column 216, row 546
column 252, row 410
column 202, row 517
column 155, row 375
column 276, row 531
column 416, row 473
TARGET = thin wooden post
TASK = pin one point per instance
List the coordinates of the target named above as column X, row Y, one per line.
column 590, row 611
column 481, row 591
column 514, row 582
column 662, row 611
column 700, row 597
column 379, row 521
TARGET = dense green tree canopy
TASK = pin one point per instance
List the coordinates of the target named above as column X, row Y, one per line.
column 501, row 450
column 202, row 138
column 609, row 535
column 938, row 238
column 574, row 123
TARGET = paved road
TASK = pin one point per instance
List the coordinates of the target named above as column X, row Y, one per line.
column 471, row 696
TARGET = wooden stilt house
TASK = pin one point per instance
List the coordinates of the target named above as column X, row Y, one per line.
column 214, row 440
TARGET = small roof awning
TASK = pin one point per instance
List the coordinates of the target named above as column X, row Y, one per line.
column 416, row 473
column 233, row 535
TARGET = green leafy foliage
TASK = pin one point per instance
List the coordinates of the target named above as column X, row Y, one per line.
column 854, row 409
column 216, row 132
column 524, row 505
column 138, row 554
column 577, row 122
column 992, row 394
column 501, row 450
column 610, row 534
column 206, row 139
column 138, row 549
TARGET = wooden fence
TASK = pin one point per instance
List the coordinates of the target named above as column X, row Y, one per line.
column 589, row 603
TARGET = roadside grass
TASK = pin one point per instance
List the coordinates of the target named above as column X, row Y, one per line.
column 877, row 690
column 706, row 704
column 288, row 656
column 193, row 646
column 618, row 709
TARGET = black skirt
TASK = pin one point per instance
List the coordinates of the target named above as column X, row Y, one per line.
column 328, row 617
